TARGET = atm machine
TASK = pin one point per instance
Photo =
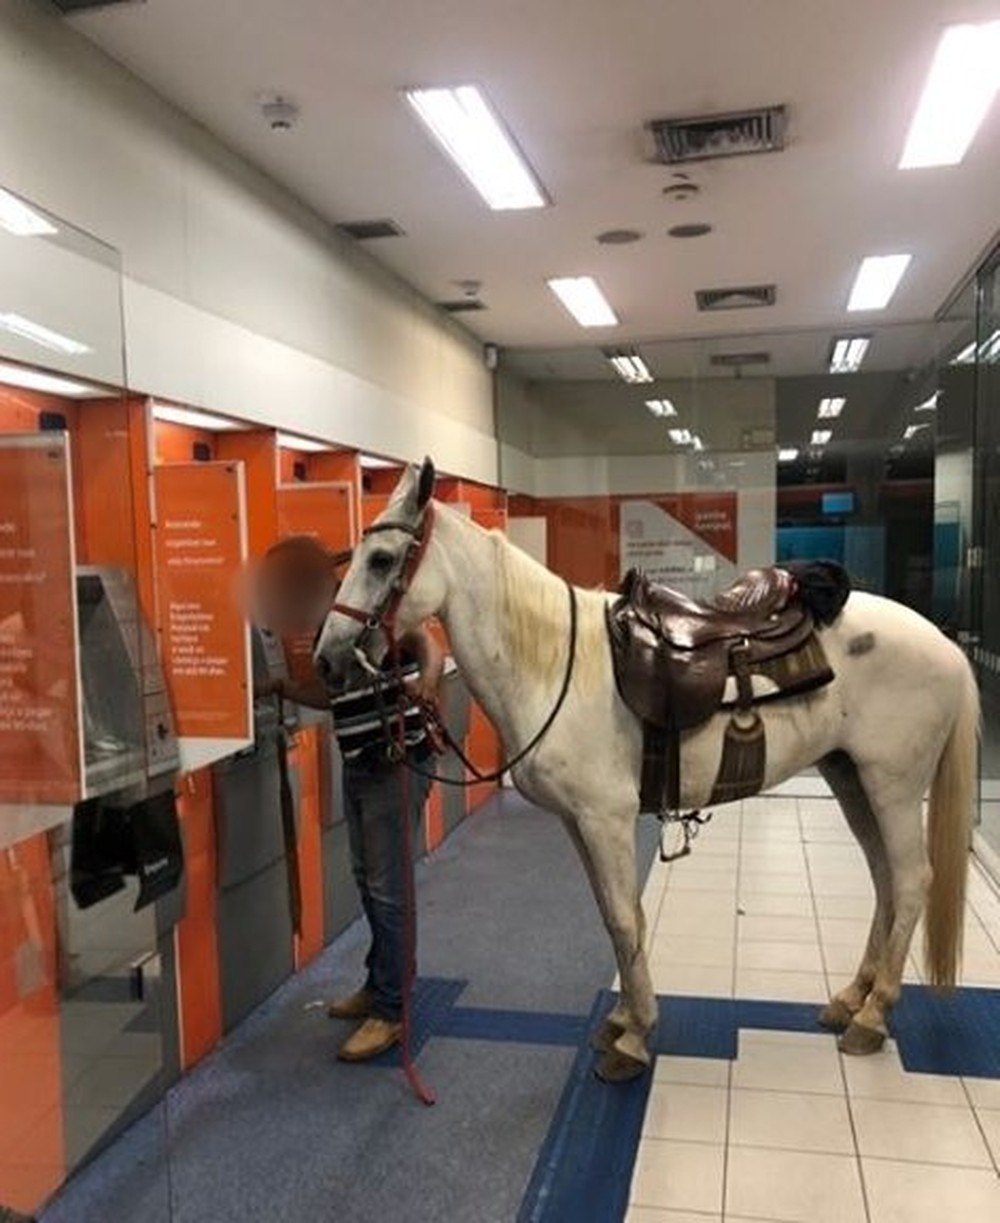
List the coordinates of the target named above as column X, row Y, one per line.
column 255, row 927
column 118, row 875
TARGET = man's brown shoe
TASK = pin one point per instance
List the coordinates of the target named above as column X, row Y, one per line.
column 357, row 1006
column 372, row 1038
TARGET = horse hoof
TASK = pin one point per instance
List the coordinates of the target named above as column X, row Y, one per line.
column 860, row 1041
column 617, row 1067
column 603, row 1040
column 836, row 1016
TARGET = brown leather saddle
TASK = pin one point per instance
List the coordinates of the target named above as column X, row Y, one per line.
column 674, row 659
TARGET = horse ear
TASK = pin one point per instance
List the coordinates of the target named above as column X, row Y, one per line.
column 425, row 484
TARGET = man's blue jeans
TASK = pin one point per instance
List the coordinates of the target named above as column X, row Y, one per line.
column 374, row 796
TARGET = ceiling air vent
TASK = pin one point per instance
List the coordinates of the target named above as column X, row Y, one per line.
column 364, row 231
column 707, row 136
column 462, row 306
column 738, row 359
column 741, row 297
column 77, row 6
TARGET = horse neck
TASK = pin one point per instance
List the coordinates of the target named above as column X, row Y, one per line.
column 478, row 605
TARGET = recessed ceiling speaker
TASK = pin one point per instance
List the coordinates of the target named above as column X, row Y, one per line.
column 695, row 230
column 78, row 6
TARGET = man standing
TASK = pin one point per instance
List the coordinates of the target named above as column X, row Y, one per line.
column 295, row 587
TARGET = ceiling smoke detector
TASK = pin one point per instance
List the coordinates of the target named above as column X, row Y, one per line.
column 279, row 113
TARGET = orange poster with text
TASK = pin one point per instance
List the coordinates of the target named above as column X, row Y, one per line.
column 323, row 512
column 200, row 552
column 40, row 749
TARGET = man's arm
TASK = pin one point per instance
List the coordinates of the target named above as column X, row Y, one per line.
column 421, row 644
column 311, row 692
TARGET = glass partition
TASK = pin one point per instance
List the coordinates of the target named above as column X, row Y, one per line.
column 85, row 1044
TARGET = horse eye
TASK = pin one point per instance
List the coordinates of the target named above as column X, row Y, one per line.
column 381, row 562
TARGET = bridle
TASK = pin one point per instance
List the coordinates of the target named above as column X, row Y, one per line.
column 382, row 618
column 383, row 615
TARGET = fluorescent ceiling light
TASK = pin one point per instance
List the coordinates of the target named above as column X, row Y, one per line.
column 682, row 437
column 630, row 367
column 788, row 454
column 20, row 220
column 291, row 442
column 830, row 409
column 877, row 280
column 966, row 356
column 36, row 380
column 929, row 404
column 820, row 437
column 661, row 407
column 18, row 325
column 911, row 430
column 960, row 87
column 464, row 124
column 697, row 443
column 196, row 420
column 584, row 300
column 989, row 350
column 375, row 463
column 848, row 353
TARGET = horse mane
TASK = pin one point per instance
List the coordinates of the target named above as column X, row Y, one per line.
column 534, row 618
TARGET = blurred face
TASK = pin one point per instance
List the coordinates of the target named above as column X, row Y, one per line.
column 295, row 586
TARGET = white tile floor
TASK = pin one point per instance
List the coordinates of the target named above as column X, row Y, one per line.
column 774, row 903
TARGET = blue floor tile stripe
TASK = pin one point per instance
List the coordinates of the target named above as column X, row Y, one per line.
column 584, row 1168
column 514, row 1027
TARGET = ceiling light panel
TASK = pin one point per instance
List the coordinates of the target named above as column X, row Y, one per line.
column 308, row 445
column 960, row 87
column 820, row 437
column 193, row 419
column 51, row 384
column 467, row 128
column 27, row 329
column 877, row 280
column 831, row 408
column 629, row 366
column 788, row 454
column 582, row 297
column 682, row 437
column 20, row 220
column 661, row 407
column 848, row 353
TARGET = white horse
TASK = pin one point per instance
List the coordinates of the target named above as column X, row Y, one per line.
column 900, row 717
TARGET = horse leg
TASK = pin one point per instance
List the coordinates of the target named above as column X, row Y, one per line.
column 841, row 775
column 607, row 846
column 902, row 831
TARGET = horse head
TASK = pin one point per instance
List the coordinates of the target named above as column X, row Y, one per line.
column 386, row 590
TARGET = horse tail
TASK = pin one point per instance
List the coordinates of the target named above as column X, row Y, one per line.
column 948, row 833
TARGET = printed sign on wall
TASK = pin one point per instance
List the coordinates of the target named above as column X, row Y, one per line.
column 200, row 553
column 687, row 541
column 41, row 753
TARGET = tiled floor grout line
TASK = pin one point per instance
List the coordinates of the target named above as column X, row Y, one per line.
column 729, row 1074
column 840, row 1057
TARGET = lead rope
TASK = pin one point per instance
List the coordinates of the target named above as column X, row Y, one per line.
column 423, row 1093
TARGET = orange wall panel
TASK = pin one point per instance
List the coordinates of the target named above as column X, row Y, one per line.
column 175, row 443
column 434, row 820
column 199, row 1000
column 32, row 1158
column 258, row 450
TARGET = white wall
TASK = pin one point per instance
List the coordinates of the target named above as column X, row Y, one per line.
column 235, row 296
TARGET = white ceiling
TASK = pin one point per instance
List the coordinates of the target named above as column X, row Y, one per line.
column 576, row 80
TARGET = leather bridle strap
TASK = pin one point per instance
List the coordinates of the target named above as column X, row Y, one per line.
column 383, row 616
